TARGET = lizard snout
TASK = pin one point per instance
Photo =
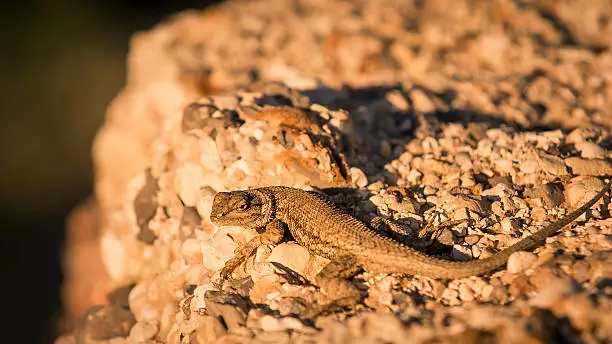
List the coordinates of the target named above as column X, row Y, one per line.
column 217, row 215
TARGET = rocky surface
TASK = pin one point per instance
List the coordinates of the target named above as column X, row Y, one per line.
column 419, row 112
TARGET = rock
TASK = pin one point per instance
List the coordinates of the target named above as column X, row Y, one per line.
column 462, row 201
column 553, row 293
column 498, row 209
column 197, row 116
column 582, row 189
column 590, row 150
column 466, row 293
column 552, row 164
column 539, row 214
column 580, row 271
column 190, row 222
column 510, row 225
column 167, row 320
column 358, row 177
column 293, row 256
column 589, row 167
column 114, row 256
column 189, row 178
column 120, row 296
column 505, row 181
column 380, row 293
column 192, row 251
column 103, row 323
column 230, row 307
column 444, row 241
column 143, row 330
column 270, row 280
column 551, row 194
column 376, row 328
column 599, row 265
column 274, row 337
column 461, row 253
column 145, row 206
column 421, row 102
column 270, row 323
column 274, row 271
column 254, row 318
column 520, row 261
column 210, row 330
column 451, row 297
column 495, row 294
column 530, row 166
column 265, row 289
column 291, row 306
column 472, row 239
column 217, row 250
column 519, row 285
column 404, row 206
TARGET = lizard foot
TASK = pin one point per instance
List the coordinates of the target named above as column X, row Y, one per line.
column 220, row 282
column 432, row 231
column 272, row 234
column 333, row 280
column 398, row 233
column 335, row 306
column 421, row 241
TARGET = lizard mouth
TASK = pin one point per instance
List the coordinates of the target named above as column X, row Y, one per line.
column 215, row 217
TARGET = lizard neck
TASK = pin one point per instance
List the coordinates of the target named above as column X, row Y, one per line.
column 268, row 208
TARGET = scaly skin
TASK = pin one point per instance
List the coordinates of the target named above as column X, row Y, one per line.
column 328, row 231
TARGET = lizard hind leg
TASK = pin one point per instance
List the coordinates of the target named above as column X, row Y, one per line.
column 421, row 241
column 333, row 279
column 272, row 234
column 397, row 232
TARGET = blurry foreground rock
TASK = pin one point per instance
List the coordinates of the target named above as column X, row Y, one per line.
column 86, row 281
column 421, row 114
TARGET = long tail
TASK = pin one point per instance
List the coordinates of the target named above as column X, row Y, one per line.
column 438, row 268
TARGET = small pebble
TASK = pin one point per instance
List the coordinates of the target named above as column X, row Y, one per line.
column 358, row 177
column 461, row 253
column 521, row 261
column 590, row 150
column 510, row 225
column 466, row 293
column 143, row 330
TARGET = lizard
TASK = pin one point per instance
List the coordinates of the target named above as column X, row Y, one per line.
column 326, row 230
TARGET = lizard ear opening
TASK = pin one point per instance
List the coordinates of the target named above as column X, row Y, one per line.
column 245, row 202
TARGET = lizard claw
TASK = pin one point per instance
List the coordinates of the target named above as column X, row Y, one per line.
column 226, row 272
column 223, row 278
column 218, row 284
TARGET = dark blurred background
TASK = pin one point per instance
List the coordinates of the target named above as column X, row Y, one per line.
column 61, row 65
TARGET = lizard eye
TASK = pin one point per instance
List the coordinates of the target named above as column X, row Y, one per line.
column 244, row 206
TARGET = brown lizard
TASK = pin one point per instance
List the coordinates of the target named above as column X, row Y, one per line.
column 326, row 230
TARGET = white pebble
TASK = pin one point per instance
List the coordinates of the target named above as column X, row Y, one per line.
column 521, row 261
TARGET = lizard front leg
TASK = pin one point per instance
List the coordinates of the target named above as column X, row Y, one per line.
column 272, row 234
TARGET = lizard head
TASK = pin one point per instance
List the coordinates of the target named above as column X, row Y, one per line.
column 245, row 208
